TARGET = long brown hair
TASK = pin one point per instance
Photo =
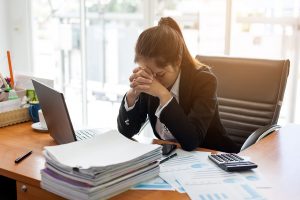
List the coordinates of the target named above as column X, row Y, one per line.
column 165, row 44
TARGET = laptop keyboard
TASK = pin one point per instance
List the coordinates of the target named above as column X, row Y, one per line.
column 84, row 134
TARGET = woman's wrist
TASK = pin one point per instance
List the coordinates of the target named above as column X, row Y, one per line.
column 131, row 97
column 164, row 97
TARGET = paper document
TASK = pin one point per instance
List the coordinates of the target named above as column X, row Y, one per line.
column 153, row 184
column 176, row 170
column 214, row 183
column 256, row 178
column 222, row 192
column 185, row 161
column 99, row 167
column 102, row 150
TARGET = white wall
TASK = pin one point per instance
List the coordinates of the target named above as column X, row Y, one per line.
column 19, row 28
column 15, row 35
column 3, row 36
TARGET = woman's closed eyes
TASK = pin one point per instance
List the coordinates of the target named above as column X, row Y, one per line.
column 159, row 75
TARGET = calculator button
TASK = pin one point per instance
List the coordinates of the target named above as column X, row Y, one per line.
column 222, row 158
column 233, row 157
column 237, row 157
column 228, row 157
column 217, row 158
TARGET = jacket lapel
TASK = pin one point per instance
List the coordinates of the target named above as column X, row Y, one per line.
column 185, row 90
column 153, row 103
column 185, row 87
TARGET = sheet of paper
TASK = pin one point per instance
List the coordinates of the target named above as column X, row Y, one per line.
column 171, row 180
column 256, row 178
column 222, row 192
column 217, row 185
column 198, row 161
column 153, row 184
column 185, row 161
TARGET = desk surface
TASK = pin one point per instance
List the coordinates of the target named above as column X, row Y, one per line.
column 278, row 159
column 277, row 155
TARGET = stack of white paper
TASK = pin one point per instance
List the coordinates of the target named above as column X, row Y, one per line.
column 100, row 167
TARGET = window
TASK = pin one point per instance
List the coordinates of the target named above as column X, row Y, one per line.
column 270, row 30
column 112, row 28
column 202, row 23
column 91, row 63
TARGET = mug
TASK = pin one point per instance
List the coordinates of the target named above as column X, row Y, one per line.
column 34, row 111
column 42, row 120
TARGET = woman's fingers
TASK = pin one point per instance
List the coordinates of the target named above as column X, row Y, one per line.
column 140, row 81
column 135, row 70
column 141, row 72
column 132, row 77
column 148, row 71
column 141, row 88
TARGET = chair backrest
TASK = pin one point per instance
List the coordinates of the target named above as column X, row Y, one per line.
column 250, row 92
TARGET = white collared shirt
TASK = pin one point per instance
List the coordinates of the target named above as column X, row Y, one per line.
column 161, row 129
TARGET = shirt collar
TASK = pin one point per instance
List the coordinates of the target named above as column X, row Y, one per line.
column 175, row 88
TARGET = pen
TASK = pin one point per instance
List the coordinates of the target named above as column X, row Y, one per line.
column 23, row 157
column 168, row 158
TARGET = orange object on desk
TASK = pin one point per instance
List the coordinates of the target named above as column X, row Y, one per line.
column 12, row 83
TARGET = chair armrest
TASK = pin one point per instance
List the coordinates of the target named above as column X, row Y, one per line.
column 259, row 134
column 144, row 125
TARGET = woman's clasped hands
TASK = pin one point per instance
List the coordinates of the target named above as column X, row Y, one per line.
column 144, row 80
column 141, row 79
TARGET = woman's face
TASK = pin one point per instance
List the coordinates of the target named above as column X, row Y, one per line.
column 166, row 75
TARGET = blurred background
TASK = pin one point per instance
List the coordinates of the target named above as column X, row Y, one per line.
column 87, row 46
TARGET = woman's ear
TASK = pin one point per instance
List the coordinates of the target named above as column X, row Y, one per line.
column 179, row 60
column 178, row 63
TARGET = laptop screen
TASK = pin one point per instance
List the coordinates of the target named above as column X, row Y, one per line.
column 55, row 112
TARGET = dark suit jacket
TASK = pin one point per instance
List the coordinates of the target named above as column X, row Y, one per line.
column 194, row 122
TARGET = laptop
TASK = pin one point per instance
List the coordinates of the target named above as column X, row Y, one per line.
column 57, row 117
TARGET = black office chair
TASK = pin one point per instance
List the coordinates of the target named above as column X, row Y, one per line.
column 250, row 94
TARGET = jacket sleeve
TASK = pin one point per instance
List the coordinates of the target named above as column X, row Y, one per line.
column 130, row 122
column 190, row 128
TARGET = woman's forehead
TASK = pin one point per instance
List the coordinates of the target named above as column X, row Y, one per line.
column 150, row 64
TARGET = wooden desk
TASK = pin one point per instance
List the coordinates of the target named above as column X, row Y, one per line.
column 277, row 155
column 278, row 159
column 15, row 141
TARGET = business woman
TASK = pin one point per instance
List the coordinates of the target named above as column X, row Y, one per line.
column 177, row 93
